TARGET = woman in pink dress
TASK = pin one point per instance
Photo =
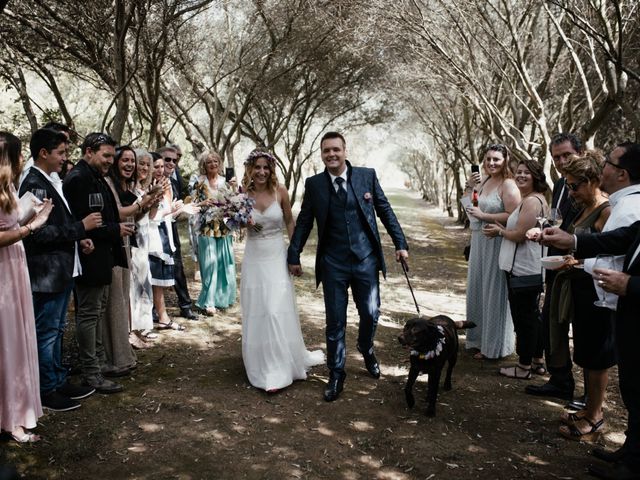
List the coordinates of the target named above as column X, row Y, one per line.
column 20, row 405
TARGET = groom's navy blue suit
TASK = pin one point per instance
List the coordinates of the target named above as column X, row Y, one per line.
column 349, row 252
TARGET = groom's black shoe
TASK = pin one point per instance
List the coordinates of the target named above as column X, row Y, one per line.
column 334, row 387
column 371, row 362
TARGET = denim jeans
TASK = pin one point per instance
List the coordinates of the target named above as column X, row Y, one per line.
column 51, row 319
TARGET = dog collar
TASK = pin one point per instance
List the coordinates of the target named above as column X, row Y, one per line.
column 431, row 353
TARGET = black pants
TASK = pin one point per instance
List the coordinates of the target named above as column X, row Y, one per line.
column 561, row 374
column 627, row 331
column 527, row 324
column 184, row 300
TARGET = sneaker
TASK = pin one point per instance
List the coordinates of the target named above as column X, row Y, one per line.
column 101, row 384
column 58, row 402
column 75, row 392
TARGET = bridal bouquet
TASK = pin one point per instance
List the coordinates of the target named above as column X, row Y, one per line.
column 236, row 210
column 224, row 211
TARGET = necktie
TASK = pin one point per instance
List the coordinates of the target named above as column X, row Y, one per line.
column 342, row 193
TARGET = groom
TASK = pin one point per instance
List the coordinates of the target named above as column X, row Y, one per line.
column 344, row 201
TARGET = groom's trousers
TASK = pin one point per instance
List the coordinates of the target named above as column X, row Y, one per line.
column 362, row 277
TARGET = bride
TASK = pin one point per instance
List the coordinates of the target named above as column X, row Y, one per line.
column 273, row 350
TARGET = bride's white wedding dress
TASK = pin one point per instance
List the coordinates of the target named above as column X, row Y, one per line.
column 273, row 350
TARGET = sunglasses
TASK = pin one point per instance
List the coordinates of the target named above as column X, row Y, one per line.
column 574, row 186
column 169, row 159
column 101, row 139
column 606, row 160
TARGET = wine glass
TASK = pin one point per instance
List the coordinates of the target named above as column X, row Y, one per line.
column 541, row 219
column 40, row 194
column 555, row 217
column 96, row 203
column 603, row 261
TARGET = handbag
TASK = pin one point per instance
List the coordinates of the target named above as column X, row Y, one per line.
column 525, row 283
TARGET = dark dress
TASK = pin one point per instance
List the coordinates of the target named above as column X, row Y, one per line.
column 593, row 327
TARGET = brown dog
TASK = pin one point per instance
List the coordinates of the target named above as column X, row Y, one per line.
column 432, row 342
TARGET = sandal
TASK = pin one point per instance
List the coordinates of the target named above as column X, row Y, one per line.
column 571, row 418
column 572, row 432
column 538, row 368
column 170, row 326
column 512, row 372
column 25, row 437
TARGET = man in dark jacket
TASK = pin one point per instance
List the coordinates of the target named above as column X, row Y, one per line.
column 52, row 258
column 344, row 201
column 92, row 287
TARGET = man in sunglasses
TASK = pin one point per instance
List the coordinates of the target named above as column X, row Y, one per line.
column 621, row 179
column 92, row 287
column 170, row 156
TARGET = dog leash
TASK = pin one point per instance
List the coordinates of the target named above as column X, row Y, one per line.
column 405, row 269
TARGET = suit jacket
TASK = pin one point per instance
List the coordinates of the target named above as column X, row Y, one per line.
column 82, row 180
column 622, row 241
column 51, row 250
column 315, row 206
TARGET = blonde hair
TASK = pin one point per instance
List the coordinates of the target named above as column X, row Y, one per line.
column 506, row 154
column 202, row 160
column 10, row 163
column 587, row 166
column 249, row 166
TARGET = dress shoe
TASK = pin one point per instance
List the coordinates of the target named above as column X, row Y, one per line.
column 334, row 387
column 579, row 403
column 188, row 314
column 101, row 384
column 549, row 390
column 609, row 456
column 115, row 372
column 619, row 471
column 371, row 362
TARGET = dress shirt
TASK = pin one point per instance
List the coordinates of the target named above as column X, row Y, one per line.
column 57, row 184
column 343, row 175
column 625, row 210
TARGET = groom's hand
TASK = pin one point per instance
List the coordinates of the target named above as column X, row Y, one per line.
column 295, row 270
column 402, row 254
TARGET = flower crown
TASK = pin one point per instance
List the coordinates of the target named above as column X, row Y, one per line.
column 254, row 155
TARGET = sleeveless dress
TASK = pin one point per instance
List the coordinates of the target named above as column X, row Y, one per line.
column 593, row 327
column 141, row 291
column 19, row 376
column 273, row 350
column 487, row 296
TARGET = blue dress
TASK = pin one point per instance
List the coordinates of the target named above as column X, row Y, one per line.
column 487, row 297
column 215, row 256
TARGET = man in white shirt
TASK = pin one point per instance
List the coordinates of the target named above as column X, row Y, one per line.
column 53, row 262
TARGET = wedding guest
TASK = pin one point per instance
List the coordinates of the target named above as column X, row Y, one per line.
column 67, row 166
column 162, row 247
column 20, row 405
column 141, row 292
column 215, row 247
column 273, row 349
column 92, row 287
column 58, row 127
column 54, row 262
column 170, row 156
column 574, row 292
column 487, row 295
column 560, row 383
column 521, row 257
column 120, row 358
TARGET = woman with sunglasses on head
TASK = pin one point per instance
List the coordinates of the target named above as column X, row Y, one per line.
column 487, row 303
column 593, row 340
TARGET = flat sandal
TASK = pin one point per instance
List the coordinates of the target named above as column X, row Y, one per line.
column 512, row 372
column 572, row 432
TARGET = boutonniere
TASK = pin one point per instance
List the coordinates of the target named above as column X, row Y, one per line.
column 367, row 197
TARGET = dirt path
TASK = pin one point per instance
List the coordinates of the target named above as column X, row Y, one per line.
column 189, row 412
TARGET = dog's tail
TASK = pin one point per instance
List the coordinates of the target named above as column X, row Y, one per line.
column 460, row 325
